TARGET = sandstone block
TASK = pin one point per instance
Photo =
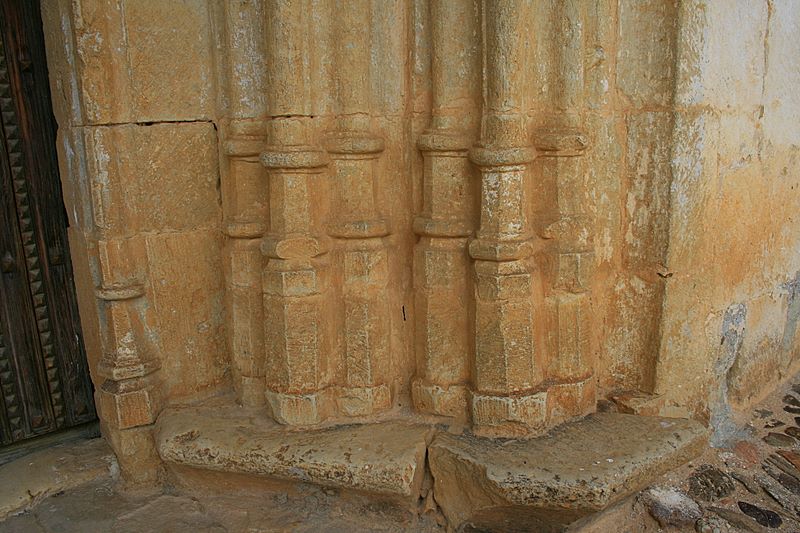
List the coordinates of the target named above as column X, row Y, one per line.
column 139, row 463
column 152, row 178
column 363, row 401
column 445, row 400
column 130, row 403
column 385, row 458
column 187, row 288
column 124, row 50
column 448, row 185
column 247, row 330
column 304, row 409
column 645, row 67
column 551, row 481
column 647, row 200
column 573, row 323
column 293, row 337
column 366, row 341
column 504, row 346
column 507, row 416
column 570, row 400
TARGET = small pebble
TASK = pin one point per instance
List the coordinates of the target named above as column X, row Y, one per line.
column 765, row 517
column 792, row 457
column 710, row 524
column 709, row 483
column 671, row 507
column 779, row 440
column 791, row 400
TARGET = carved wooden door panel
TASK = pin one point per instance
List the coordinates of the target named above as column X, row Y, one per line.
column 44, row 382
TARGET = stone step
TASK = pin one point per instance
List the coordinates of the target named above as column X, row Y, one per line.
column 546, row 483
column 385, row 458
column 540, row 484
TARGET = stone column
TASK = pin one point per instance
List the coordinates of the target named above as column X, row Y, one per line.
column 443, row 285
column 294, row 281
column 507, row 398
column 356, row 224
column 129, row 395
column 561, row 146
column 244, row 205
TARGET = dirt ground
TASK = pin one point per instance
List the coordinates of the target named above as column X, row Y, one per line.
column 751, row 485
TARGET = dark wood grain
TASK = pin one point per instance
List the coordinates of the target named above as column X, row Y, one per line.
column 41, row 347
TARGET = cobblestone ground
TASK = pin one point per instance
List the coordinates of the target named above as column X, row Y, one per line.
column 752, row 485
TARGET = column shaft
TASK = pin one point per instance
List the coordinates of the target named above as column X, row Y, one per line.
column 294, row 282
column 443, row 285
column 507, row 398
column 362, row 260
column 562, row 145
column 244, row 201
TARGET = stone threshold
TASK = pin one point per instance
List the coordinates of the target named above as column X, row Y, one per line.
column 540, row 484
column 387, row 458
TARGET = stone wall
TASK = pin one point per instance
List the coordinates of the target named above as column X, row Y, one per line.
column 499, row 212
column 729, row 315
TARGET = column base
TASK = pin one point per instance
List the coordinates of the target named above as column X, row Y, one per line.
column 299, row 409
column 128, row 403
column 570, row 400
column 139, row 463
column 443, row 400
column 509, row 416
column 363, row 401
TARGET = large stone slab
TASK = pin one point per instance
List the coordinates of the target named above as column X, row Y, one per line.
column 27, row 480
column 546, row 483
column 386, row 458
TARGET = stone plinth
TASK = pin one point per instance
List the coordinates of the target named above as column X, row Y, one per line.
column 546, row 483
column 385, row 458
column 540, row 484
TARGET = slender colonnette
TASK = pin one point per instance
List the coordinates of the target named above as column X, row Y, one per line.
column 357, row 226
column 570, row 258
column 443, row 285
column 294, row 280
column 244, row 203
column 507, row 396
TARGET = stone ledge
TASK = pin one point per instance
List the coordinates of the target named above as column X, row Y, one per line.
column 386, row 458
column 31, row 478
column 546, row 483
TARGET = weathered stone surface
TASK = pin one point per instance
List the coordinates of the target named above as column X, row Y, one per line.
column 579, row 468
column 386, row 458
column 671, row 507
column 709, row 484
column 174, row 514
column 160, row 177
column 138, row 42
column 645, row 68
column 367, row 181
column 779, row 440
column 187, row 299
column 40, row 474
column 765, row 517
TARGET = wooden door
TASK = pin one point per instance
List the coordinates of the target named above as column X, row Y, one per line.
column 44, row 381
